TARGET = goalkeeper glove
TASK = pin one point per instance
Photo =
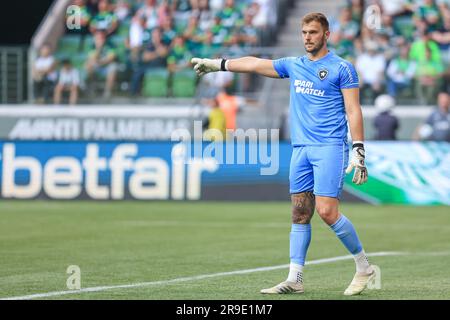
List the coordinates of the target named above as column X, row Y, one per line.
column 204, row 66
column 357, row 162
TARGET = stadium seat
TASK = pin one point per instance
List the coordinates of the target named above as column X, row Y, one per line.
column 119, row 43
column 184, row 83
column 69, row 44
column 88, row 43
column 79, row 60
column 156, row 83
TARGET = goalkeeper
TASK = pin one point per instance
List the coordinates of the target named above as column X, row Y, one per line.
column 324, row 90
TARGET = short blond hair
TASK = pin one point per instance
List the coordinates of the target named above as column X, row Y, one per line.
column 318, row 17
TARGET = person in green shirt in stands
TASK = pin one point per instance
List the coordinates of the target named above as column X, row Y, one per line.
column 193, row 34
column 428, row 78
column 168, row 32
column 102, row 62
column 208, row 48
column 425, row 52
column 179, row 56
column 229, row 15
column 105, row 20
column 418, row 51
column 428, row 16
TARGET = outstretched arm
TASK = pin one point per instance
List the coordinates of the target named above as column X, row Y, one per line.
column 259, row 66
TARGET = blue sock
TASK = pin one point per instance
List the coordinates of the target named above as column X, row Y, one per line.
column 347, row 234
column 300, row 238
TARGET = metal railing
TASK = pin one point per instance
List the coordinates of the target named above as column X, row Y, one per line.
column 12, row 74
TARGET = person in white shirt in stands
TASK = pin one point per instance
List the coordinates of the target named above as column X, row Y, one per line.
column 371, row 66
column 68, row 81
column 44, row 75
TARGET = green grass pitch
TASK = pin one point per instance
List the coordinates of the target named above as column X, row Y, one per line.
column 119, row 243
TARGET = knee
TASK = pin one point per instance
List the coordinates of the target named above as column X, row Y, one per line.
column 302, row 208
column 328, row 213
column 300, row 216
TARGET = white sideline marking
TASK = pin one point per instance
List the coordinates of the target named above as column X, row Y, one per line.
column 199, row 277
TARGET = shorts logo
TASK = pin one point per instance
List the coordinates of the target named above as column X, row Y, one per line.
column 323, row 74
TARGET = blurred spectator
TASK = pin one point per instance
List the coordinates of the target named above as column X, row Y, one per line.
column 229, row 15
column 182, row 9
column 68, row 81
column 216, row 5
column 428, row 17
column 371, row 65
column 208, row 49
column 92, row 6
column 248, row 34
column 427, row 55
column 150, row 12
column 164, row 12
column 122, row 10
column 400, row 72
column 136, row 37
column 179, row 56
column 102, row 62
column 230, row 105
column 418, row 51
column 192, row 34
column 105, row 20
column 153, row 56
column 444, row 7
column 385, row 123
column 265, row 19
column 437, row 125
column 386, row 45
column 395, row 8
column 221, row 35
column 443, row 41
column 168, row 32
column 216, row 123
column 344, row 32
column 44, row 75
column 85, row 18
column 357, row 10
column 205, row 15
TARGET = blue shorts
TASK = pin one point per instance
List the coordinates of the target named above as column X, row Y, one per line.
column 320, row 169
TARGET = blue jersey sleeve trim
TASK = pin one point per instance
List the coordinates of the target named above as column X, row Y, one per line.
column 350, row 86
column 280, row 68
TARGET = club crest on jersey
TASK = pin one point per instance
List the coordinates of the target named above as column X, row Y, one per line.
column 323, row 74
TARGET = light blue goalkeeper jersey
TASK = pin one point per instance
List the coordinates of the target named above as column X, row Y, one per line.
column 317, row 112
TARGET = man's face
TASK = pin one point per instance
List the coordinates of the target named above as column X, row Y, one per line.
column 314, row 36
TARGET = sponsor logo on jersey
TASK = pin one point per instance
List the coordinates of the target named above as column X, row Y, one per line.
column 307, row 87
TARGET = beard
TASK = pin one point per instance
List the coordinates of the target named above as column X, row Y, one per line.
column 317, row 47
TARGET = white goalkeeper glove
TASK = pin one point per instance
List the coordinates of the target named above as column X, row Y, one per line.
column 204, row 66
column 357, row 162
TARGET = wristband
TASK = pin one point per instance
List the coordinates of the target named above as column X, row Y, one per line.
column 223, row 65
column 358, row 144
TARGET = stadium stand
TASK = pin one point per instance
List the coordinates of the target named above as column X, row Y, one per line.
column 153, row 40
column 407, row 43
column 149, row 42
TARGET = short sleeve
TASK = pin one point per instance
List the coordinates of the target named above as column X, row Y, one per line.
column 282, row 67
column 348, row 78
